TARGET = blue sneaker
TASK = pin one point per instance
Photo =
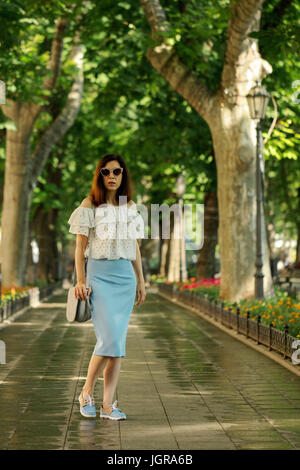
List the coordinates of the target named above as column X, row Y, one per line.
column 115, row 412
column 87, row 406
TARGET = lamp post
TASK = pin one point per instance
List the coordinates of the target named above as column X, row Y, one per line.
column 258, row 98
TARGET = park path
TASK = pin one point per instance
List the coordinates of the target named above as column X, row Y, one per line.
column 184, row 384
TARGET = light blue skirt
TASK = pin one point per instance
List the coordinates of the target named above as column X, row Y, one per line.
column 113, row 283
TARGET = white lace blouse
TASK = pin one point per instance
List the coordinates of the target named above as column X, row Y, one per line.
column 115, row 229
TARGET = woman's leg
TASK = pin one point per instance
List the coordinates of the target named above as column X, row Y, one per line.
column 96, row 367
column 111, row 377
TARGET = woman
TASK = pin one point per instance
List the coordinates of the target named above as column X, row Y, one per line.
column 113, row 276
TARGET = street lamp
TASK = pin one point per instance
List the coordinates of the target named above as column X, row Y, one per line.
column 258, row 98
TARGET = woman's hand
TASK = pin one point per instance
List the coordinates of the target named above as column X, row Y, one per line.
column 81, row 292
column 141, row 292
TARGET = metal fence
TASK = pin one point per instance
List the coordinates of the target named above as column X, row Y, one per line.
column 12, row 306
column 267, row 335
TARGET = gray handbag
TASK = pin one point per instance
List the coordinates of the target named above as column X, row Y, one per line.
column 79, row 310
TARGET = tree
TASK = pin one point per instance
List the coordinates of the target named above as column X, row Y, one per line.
column 24, row 165
column 226, row 112
column 130, row 109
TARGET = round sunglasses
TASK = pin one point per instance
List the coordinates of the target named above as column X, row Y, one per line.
column 115, row 171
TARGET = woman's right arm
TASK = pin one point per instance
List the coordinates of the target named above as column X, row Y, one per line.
column 80, row 288
column 81, row 244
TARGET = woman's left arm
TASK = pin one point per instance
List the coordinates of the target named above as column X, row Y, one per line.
column 138, row 268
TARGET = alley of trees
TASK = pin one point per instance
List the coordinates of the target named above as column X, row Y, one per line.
column 163, row 84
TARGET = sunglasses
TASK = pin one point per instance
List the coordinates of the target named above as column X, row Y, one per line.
column 115, row 171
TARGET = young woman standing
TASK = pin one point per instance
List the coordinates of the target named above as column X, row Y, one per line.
column 115, row 275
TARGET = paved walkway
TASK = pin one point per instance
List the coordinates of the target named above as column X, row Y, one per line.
column 184, row 385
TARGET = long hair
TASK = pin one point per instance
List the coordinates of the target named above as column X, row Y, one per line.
column 98, row 191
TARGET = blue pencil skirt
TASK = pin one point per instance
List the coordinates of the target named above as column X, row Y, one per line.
column 113, row 283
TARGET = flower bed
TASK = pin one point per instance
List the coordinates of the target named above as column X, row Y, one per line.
column 14, row 293
column 17, row 298
column 279, row 310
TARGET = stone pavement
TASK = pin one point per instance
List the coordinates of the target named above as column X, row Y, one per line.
column 184, row 384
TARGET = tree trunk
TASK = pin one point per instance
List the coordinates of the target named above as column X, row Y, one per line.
column 206, row 256
column 45, row 225
column 164, row 246
column 30, row 265
column 17, row 197
column 147, row 247
column 174, row 250
column 236, row 169
column 297, row 260
column 298, row 249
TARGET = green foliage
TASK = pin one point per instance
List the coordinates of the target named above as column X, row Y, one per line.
column 128, row 108
column 282, row 164
column 199, row 42
column 280, row 29
column 25, row 40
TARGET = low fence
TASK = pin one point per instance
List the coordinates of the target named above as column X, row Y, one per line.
column 267, row 335
column 35, row 294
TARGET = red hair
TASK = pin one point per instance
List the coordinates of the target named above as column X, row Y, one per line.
column 98, row 191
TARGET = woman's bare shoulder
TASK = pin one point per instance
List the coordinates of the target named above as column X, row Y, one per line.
column 87, row 203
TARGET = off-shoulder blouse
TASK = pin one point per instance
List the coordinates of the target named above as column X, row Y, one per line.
column 115, row 229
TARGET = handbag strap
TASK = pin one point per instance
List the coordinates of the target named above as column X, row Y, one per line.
column 86, row 263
